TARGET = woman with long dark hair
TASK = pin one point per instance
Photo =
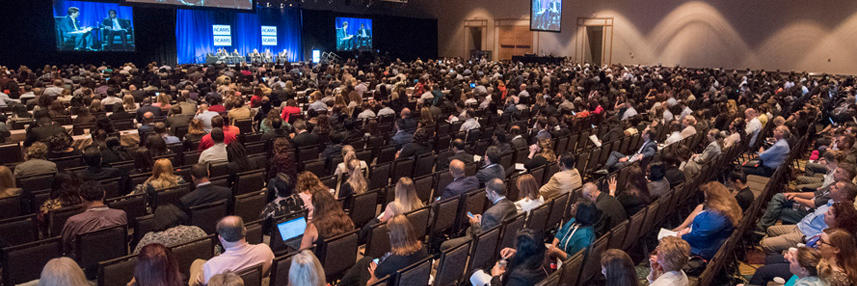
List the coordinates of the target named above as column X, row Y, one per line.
column 618, row 268
column 523, row 265
column 328, row 220
column 282, row 160
column 635, row 194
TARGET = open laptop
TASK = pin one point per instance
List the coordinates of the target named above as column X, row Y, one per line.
column 288, row 231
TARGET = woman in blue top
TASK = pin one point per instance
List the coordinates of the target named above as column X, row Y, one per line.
column 710, row 228
column 576, row 234
column 803, row 263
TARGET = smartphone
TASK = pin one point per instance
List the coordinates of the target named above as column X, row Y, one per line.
column 157, row 93
column 831, row 121
column 376, row 261
column 469, row 214
column 472, row 85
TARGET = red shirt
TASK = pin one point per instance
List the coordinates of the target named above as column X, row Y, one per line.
column 289, row 110
column 228, row 136
column 217, row 108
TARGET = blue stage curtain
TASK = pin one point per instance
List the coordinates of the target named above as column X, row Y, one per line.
column 195, row 39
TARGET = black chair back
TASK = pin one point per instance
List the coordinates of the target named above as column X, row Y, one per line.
column 57, row 218
column 337, row 254
column 10, row 206
column 105, row 244
column 483, row 250
column 570, row 271
column 558, row 207
column 419, row 220
column 19, row 230
column 22, row 263
column 11, row 153
column 379, row 176
column 255, row 234
column 248, row 206
column 379, row 241
column 134, row 206
column 538, row 217
column 117, row 271
column 451, row 265
column 363, row 208
column 206, row 216
column 444, row 215
column 252, row 275
column 249, row 182
column 510, row 229
column 280, row 269
column 186, row 253
column 423, row 187
column 171, row 195
column 416, row 274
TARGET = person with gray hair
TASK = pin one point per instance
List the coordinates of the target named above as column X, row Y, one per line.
column 306, row 270
column 461, row 183
column 501, row 209
column 228, row 278
column 238, row 254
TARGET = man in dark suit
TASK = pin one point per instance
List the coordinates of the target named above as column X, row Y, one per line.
column 618, row 160
column 458, row 154
column 501, row 209
column 70, row 29
column 460, row 182
column 43, row 129
column 113, row 26
column 518, row 141
column 492, row 168
column 97, row 172
column 205, row 191
column 364, row 37
column 147, row 107
column 302, row 137
column 612, row 210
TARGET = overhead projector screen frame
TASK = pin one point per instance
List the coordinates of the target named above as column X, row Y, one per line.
column 137, row 3
column 559, row 30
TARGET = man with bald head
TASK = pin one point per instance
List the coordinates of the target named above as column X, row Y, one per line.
column 612, row 210
column 147, row 125
column 238, row 254
column 461, row 183
column 405, row 127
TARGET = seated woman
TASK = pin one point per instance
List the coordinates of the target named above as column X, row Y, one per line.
column 156, row 265
column 719, row 215
column 238, row 162
column 329, row 220
column 523, row 265
column 635, row 194
column 355, row 184
column 308, row 185
column 172, row 227
column 576, row 234
column 405, row 249
column 7, row 183
column 60, row 146
column 838, row 266
column 195, row 131
column 349, row 154
column 802, row 266
column 406, row 200
column 618, row 268
column 283, row 160
column 306, row 270
column 540, row 154
column 529, row 195
column 736, row 131
column 142, row 160
column 65, row 192
column 419, row 145
column 283, row 188
column 840, row 215
column 162, row 178
column 667, row 262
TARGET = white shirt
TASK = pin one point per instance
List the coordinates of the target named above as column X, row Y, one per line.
column 238, row 258
column 630, row 112
column 470, row 123
column 366, row 114
column 216, row 153
column 526, row 204
column 111, row 100
column 386, row 111
column 753, row 128
column 674, row 137
column 672, row 278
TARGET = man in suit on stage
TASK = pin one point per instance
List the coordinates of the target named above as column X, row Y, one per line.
column 364, row 36
column 114, row 26
column 70, row 29
column 343, row 38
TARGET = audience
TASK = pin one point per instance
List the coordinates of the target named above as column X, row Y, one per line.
column 65, row 192
column 461, row 183
column 308, row 185
column 635, row 194
column 61, row 271
column 618, row 160
column 7, row 183
column 217, row 152
column 612, row 211
column 205, row 191
column 522, row 265
column 773, row 157
column 737, row 182
column 37, row 163
column 709, row 226
column 838, row 266
column 491, row 168
column 458, row 153
column 170, row 227
column 501, row 209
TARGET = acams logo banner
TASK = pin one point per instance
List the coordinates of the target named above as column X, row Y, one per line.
column 222, row 30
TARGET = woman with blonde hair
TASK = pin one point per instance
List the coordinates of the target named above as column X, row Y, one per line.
column 195, row 131
column 713, row 222
column 406, row 200
column 540, row 154
column 405, row 249
column 528, row 197
column 838, row 266
column 348, row 154
column 163, row 101
column 7, row 183
column 162, row 177
column 306, row 270
column 129, row 104
column 667, row 262
column 356, row 183
column 426, row 118
column 62, row 271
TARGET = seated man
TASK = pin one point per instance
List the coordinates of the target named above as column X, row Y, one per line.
column 564, row 181
column 781, row 237
column 782, row 205
column 773, row 157
column 491, row 168
column 217, row 152
column 113, row 26
column 238, row 254
column 458, row 154
column 460, row 182
column 618, row 160
column 501, row 209
column 205, row 192
column 96, row 171
column 612, row 210
column 72, row 31
column 220, row 123
column 96, row 217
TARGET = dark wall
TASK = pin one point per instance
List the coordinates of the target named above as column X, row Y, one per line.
column 28, row 37
column 405, row 38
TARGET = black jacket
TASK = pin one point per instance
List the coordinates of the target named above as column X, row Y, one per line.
column 206, row 194
column 305, row 139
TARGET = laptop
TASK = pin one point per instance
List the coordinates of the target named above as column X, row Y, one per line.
column 292, row 229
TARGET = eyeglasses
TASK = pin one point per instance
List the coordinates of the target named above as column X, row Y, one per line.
column 822, row 242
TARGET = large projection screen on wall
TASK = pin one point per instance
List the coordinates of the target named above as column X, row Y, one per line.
column 546, row 15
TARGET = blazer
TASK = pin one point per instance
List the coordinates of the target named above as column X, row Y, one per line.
column 459, row 186
column 489, row 172
column 560, row 183
column 495, row 215
column 649, row 149
column 123, row 23
column 66, row 26
column 305, row 139
column 206, row 194
column 519, row 143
